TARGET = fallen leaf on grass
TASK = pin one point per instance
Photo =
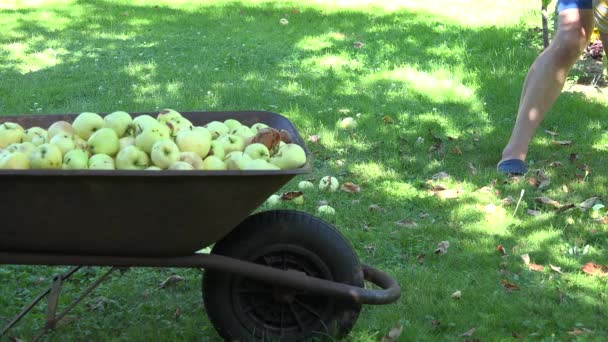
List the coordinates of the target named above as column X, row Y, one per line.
column 456, row 295
column 375, row 207
column 592, row 268
column 472, row 168
column 178, row 313
column 406, row 223
column 350, row 187
column 508, row 200
column 556, row 164
column 544, row 180
column 456, row 150
column 509, row 285
column 526, row 259
column 603, row 220
column 556, row 268
column 101, row 303
column 393, row 334
column 547, row 200
column 468, row 333
column 562, row 142
column 533, row 182
column 501, row 250
column 314, row 139
column 533, row 212
column 290, row 195
column 420, row 257
column 440, row 175
column 579, row 331
column 170, row 281
column 387, row 119
column 573, row 156
column 536, row 267
column 588, row 203
column 551, row 133
column 442, row 247
column 566, row 207
column 358, row 45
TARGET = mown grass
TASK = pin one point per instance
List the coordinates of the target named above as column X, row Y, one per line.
column 442, row 71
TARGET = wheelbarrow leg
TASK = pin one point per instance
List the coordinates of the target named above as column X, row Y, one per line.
column 51, row 321
column 27, row 309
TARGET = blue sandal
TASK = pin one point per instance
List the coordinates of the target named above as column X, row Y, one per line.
column 512, row 167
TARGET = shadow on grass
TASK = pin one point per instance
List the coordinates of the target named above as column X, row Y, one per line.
column 236, row 56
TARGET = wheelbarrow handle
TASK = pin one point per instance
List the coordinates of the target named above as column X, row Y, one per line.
column 390, row 290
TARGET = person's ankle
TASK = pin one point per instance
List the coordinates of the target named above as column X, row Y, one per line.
column 509, row 154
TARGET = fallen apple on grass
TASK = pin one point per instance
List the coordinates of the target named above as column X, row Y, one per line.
column 329, row 183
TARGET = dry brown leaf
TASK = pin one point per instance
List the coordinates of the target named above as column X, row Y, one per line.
column 603, row 220
column 566, row 207
column 440, row 175
column 544, row 180
column 420, row 257
column 457, row 295
column 533, row 212
column 393, row 334
column 526, row 259
column 406, row 223
column 290, row 195
column 468, row 333
column 533, row 182
column 501, row 250
column 556, row 268
column 170, row 281
column 387, row 119
column 509, row 285
column 285, row 136
column 547, row 200
column 270, row 137
column 536, row 267
column 573, row 156
column 314, row 139
column 508, row 200
column 562, row 142
column 358, row 45
column 375, row 207
column 588, row 203
column 579, row 331
column 350, row 187
column 551, row 133
column 178, row 313
column 456, row 150
column 595, row 269
column 556, row 164
column 472, row 168
column 442, row 247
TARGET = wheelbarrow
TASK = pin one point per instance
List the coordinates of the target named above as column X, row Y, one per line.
column 276, row 274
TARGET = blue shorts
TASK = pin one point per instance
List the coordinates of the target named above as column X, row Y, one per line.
column 580, row 4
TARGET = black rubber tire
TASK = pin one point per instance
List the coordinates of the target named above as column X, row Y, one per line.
column 305, row 242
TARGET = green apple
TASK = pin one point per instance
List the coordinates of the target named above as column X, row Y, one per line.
column 231, row 142
column 243, row 132
column 329, row 183
column 326, row 210
column 217, row 129
column 298, row 200
column 232, row 124
column 236, row 160
column 141, row 122
column 132, row 158
column 46, row 156
column 177, row 124
column 65, row 142
column 291, row 156
column 214, row 163
column 164, row 153
column 76, row 160
column 198, row 141
column 180, row 165
column 14, row 161
column 192, row 158
column 35, row 135
column 104, row 141
column 101, row 162
column 59, row 127
column 126, row 141
column 26, row 147
column 257, row 126
column 273, row 200
column 216, row 149
column 149, row 137
column 87, row 123
column 259, row 164
column 12, row 148
column 153, row 168
column 258, row 151
column 305, row 185
column 119, row 121
column 10, row 133
column 80, row 143
column 167, row 114
column 348, row 123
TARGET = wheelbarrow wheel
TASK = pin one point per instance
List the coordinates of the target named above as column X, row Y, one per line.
column 244, row 309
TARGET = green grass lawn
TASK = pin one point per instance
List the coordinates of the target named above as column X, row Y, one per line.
column 434, row 87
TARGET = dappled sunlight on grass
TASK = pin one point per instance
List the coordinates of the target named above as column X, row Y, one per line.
column 318, row 43
column 372, row 171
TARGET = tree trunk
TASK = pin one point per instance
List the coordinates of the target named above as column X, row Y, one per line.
column 545, row 26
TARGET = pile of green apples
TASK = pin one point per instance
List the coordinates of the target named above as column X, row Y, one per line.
column 169, row 141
